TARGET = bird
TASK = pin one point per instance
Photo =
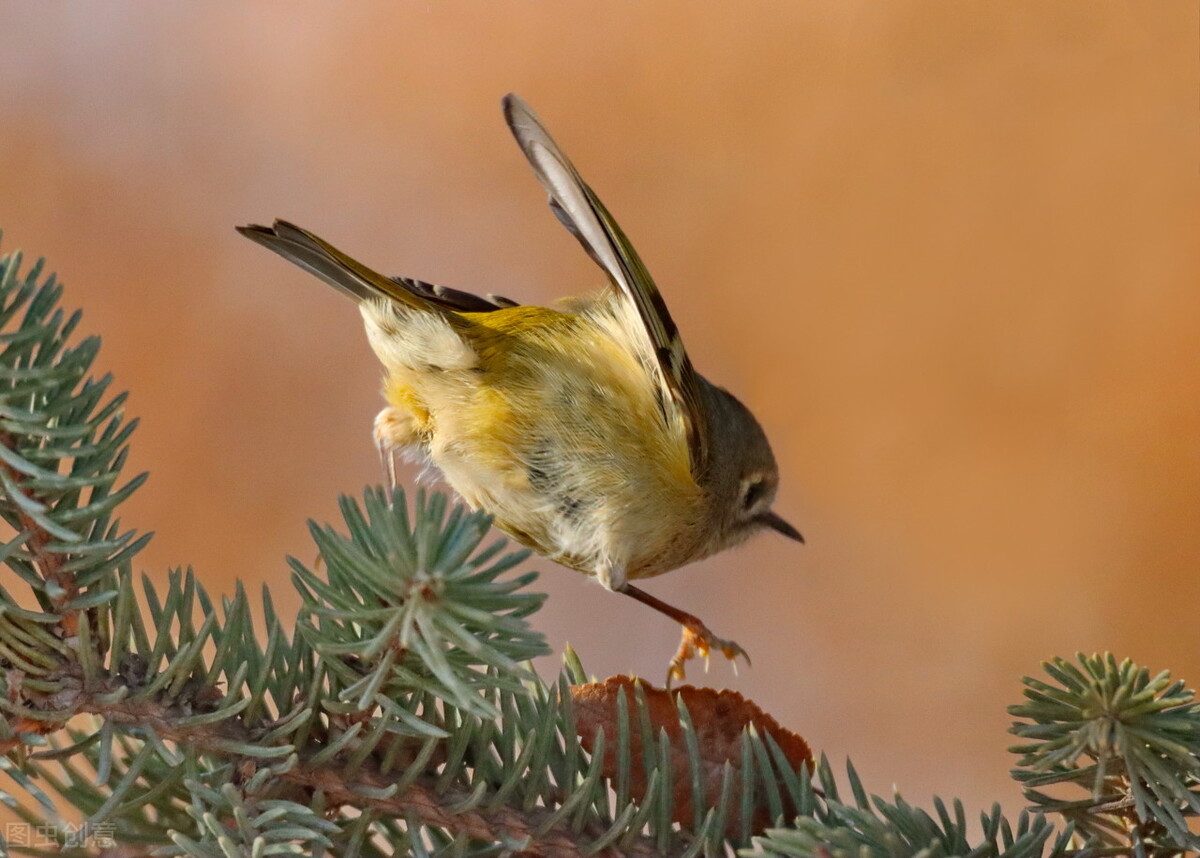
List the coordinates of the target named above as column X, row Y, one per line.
column 583, row 429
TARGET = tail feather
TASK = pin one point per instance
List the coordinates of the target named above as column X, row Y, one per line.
column 342, row 272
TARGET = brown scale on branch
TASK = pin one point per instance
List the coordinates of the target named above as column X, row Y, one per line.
column 719, row 719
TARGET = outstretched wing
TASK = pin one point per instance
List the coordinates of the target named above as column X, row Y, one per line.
column 455, row 299
column 581, row 212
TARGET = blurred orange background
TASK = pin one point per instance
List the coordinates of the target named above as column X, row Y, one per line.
column 946, row 251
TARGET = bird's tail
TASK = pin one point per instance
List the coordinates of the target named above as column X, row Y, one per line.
column 342, row 272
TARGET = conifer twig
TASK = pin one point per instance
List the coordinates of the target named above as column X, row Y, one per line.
column 419, row 801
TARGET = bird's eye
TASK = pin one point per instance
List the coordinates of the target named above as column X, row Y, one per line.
column 754, row 492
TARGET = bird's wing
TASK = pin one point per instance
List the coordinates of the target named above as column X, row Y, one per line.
column 580, row 211
column 455, row 299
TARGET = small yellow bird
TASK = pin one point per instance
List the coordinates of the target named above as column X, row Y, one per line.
column 583, row 430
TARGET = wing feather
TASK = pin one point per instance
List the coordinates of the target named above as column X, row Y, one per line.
column 579, row 209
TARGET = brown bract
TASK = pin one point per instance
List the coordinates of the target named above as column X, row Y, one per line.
column 719, row 718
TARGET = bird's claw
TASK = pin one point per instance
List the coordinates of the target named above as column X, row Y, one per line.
column 699, row 641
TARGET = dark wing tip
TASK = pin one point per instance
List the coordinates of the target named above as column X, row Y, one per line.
column 522, row 122
column 452, row 299
column 511, row 103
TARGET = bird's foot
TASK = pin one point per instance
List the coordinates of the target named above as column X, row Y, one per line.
column 394, row 429
column 698, row 640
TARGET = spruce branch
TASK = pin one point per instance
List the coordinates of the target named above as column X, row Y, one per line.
column 62, row 445
column 393, row 587
column 871, row 827
column 1125, row 744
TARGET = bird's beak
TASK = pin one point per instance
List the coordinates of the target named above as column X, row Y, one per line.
column 773, row 521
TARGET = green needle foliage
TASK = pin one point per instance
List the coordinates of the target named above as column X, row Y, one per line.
column 874, row 828
column 397, row 714
column 394, row 588
column 1124, row 746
